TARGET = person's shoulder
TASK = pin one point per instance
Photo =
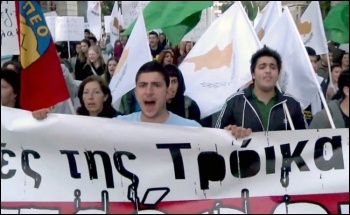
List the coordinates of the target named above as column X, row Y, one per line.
column 130, row 117
column 178, row 120
column 236, row 96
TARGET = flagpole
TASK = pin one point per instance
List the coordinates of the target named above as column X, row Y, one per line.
column 69, row 57
column 71, row 107
column 330, row 72
column 326, row 108
column 291, row 124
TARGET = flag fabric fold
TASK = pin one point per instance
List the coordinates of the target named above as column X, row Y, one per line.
column 135, row 54
column 297, row 77
column 93, row 16
column 337, row 23
column 267, row 18
column 42, row 81
column 219, row 64
column 311, row 28
column 173, row 16
column 117, row 24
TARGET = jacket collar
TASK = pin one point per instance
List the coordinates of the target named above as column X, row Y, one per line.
column 248, row 92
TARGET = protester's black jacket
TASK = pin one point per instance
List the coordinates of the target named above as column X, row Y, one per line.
column 240, row 109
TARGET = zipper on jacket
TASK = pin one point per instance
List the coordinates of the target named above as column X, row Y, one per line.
column 257, row 115
column 268, row 122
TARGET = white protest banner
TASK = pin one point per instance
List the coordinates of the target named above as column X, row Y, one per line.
column 51, row 23
column 107, row 22
column 131, row 10
column 231, row 41
column 69, row 28
column 135, row 54
column 67, row 164
column 93, row 15
column 9, row 36
column 197, row 31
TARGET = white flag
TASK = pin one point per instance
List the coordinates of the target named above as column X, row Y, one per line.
column 135, row 54
column 297, row 78
column 117, row 23
column 268, row 17
column 218, row 65
column 94, row 18
column 311, row 28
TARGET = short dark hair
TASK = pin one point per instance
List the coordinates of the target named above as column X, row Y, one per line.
column 343, row 81
column 311, row 52
column 153, row 33
column 59, row 48
column 13, row 78
column 153, row 66
column 93, row 39
column 265, row 52
column 87, row 31
column 17, row 65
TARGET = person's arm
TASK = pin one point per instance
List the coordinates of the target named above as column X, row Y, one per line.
column 226, row 116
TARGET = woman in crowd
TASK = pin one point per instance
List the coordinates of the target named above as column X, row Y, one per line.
column 77, row 52
column 95, row 100
column 333, row 87
column 95, row 65
column 166, row 57
column 345, row 61
column 111, row 67
column 188, row 47
column 177, row 102
column 12, row 65
column 163, row 41
column 82, row 59
column 10, row 88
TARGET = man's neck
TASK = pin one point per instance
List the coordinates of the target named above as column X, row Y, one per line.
column 264, row 96
column 344, row 106
column 154, row 47
column 94, row 113
column 161, row 118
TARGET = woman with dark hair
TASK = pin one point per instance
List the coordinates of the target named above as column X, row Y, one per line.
column 12, row 65
column 81, row 60
column 111, row 66
column 163, row 41
column 10, row 88
column 95, row 100
column 344, row 61
column 177, row 102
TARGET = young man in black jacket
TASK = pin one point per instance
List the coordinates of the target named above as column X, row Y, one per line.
column 259, row 107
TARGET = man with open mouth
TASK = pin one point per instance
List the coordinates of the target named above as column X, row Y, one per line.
column 152, row 88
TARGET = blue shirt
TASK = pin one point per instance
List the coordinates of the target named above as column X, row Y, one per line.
column 172, row 120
